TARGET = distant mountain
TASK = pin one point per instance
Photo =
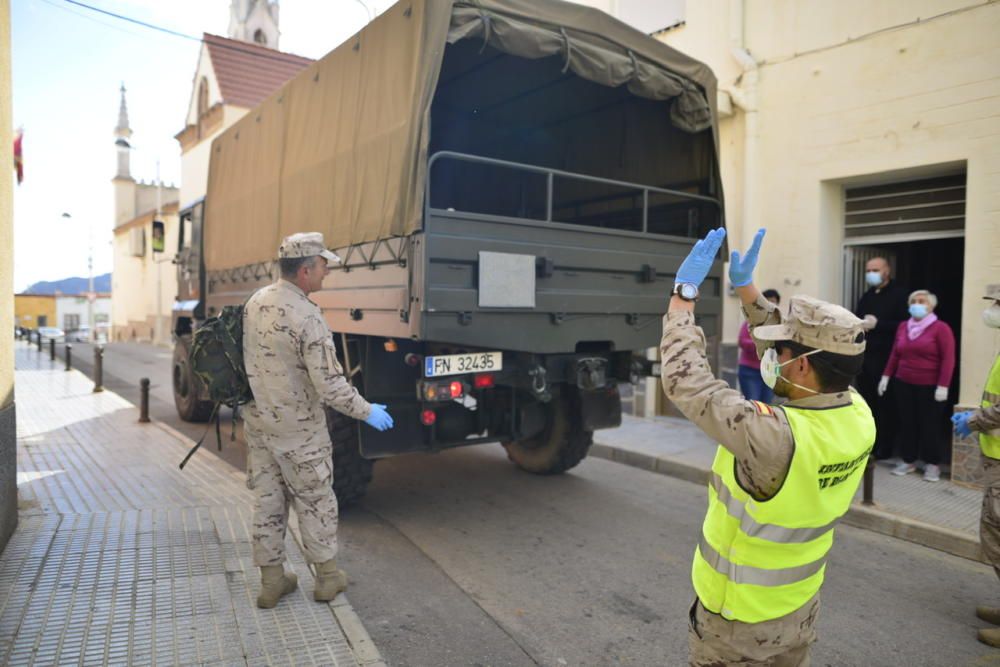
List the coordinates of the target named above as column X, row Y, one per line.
column 102, row 283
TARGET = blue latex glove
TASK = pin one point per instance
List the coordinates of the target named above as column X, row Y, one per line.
column 961, row 422
column 698, row 263
column 741, row 268
column 379, row 419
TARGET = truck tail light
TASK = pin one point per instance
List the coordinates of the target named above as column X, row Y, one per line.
column 483, row 381
column 456, row 389
column 430, row 392
column 428, row 417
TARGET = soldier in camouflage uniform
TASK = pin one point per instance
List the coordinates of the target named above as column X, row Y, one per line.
column 292, row 368
column 762, row 554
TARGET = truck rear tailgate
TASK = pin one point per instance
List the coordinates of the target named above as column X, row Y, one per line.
column 550, row 286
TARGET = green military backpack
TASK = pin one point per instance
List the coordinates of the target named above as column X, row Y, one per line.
column 216, row 357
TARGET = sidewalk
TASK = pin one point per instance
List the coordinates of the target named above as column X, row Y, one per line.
column 121, row 558
column 943, row 515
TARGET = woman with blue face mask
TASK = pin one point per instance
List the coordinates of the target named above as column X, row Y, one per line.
column 920, row 366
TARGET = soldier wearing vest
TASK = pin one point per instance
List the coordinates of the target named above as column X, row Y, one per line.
column 782, row 476
column 986, row 423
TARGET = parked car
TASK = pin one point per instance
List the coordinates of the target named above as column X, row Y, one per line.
column 52, row 333
column 82, row 334
column 79, row 335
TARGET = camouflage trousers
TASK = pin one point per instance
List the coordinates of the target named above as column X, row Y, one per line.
column 783, row 642
column 989, row 518
column 300, row 474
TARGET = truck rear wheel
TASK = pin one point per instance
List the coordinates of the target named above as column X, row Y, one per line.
column 186, row 385
column 351, row 471
column 560, row 446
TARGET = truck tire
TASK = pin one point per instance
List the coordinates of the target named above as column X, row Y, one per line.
column 351, row 471
column 560, row 446
column 186, row 385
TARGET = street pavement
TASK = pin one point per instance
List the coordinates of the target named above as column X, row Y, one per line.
column 461, row 559
column 120, row 558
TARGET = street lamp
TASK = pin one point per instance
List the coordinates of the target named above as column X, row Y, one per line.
column 90, row 279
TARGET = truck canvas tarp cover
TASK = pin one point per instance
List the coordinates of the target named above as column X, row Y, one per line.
column 342, row 148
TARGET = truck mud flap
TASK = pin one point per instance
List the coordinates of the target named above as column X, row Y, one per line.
column 406, row 435
column 600, row 408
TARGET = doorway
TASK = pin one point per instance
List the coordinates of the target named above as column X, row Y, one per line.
column 918, row 225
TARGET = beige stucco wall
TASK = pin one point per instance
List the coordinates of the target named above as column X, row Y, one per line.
column 899, row 98
column 6, row 215
column 134, row 282
column 203, row 69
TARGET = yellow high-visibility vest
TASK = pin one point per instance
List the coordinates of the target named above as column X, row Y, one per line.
column 989, row 442
column 760, row 560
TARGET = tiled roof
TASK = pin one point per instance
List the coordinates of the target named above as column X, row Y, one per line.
column 248, row 73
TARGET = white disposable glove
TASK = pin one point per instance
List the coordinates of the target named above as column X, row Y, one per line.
column 868, row 322
column 883, row 384
column 941, row 394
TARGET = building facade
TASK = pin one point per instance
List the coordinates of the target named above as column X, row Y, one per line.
column 232, row 76
column 142, row 289
column 144, row 282
column 849, row 133
column 32, row 311
column 73, row 311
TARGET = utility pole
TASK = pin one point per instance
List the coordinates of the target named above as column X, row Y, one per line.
column 91, row 335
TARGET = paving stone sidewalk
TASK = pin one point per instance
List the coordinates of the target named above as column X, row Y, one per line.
column 122, row 559
column 941, row 515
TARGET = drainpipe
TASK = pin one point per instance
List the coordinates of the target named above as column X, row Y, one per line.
column 744, row 96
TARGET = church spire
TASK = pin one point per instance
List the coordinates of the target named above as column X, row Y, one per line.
column 254, row 21
column 122, row 134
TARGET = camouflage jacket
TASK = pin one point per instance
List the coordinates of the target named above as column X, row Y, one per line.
column 758, row 436
column 292, row 365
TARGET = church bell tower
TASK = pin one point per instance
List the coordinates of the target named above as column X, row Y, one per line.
column 254, row 21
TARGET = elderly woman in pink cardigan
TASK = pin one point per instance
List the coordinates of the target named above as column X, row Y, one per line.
column 921, row 366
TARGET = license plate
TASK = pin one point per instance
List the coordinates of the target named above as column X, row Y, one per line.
column 453, row 364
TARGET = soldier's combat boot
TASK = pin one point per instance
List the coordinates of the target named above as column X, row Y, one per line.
column 330, row 581
column 274, row 582
column 990, row 637
column 989, row 614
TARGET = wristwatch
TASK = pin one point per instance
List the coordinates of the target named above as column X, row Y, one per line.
column 686, row 291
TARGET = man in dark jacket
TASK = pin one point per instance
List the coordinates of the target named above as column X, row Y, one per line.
column 883, row 307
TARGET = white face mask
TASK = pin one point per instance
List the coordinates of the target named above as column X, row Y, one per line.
column 873, row 278
column 991, row 316
column 770, row 368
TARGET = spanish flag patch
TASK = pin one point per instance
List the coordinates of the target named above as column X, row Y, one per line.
column 763, row 408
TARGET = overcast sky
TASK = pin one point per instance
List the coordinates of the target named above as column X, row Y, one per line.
column 68, row 64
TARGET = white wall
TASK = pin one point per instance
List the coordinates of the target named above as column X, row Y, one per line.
column 76, row 304
column 870, row 93
column 134, row 285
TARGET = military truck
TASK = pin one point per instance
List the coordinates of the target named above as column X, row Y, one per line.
column 511, row 185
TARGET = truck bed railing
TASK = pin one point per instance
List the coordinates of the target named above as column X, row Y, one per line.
column 550, row 175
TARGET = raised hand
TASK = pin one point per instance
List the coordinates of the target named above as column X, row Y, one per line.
column 698, row 263
column 741, row 268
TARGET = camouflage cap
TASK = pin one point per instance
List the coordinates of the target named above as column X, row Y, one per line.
column 993, row 292
column 819, row 325
column 306, row 244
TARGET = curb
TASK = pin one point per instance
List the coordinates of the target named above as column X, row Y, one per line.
column 874, row 519
column 366, row 654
